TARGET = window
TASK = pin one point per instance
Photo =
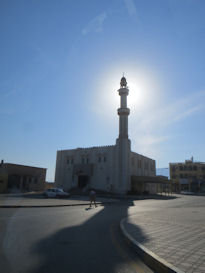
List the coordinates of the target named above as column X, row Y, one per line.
column 133, row 161
column 69, row 160
column 145, row 165
column 99, row 159
column 84, row 159
column 152, row 167
column 105, row 159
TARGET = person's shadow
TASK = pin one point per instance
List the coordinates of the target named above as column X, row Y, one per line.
column 88, row 208
column 85, row 248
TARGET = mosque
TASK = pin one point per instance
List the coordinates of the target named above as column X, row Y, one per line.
column 115, row 168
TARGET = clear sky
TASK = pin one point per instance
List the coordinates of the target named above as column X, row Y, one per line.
column 60, row 66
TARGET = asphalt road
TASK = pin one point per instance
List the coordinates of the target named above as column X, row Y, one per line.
column 66, row 239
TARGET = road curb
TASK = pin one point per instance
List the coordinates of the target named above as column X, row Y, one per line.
column 156, row 263
column 51, row 206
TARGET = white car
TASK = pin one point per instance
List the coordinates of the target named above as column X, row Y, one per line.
column 187, row 192
column 55, row 192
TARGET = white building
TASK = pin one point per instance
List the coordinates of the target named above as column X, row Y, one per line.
column 112, row 168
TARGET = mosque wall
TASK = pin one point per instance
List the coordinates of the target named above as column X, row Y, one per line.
column 141, row 165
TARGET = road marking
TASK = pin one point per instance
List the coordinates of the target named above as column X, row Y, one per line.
column 131, row 262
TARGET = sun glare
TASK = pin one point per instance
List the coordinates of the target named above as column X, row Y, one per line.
column 137, row 93
column 141, row 86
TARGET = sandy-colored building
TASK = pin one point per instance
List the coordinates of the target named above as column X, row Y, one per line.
column 188, row 176
column 113, row 168
column 22, row 178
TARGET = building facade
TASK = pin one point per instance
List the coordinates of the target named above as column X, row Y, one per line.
column 107, row 168
column 21, row 178
column 188, row 176
column 3, row 181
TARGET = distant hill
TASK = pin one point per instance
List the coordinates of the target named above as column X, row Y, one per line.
column 163, row 171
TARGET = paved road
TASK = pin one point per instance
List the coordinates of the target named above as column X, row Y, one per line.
column 66, row 239
column 38, row 200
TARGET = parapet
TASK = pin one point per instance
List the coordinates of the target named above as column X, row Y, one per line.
column 106, row 147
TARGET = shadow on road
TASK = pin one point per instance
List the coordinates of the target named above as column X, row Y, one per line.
column 88, row 247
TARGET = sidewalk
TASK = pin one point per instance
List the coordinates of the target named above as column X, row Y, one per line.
column 175, row 237
column 38, row 200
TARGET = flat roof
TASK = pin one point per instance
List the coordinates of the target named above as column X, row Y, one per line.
column 151, row 179
column 189, row 162
column 19, row 165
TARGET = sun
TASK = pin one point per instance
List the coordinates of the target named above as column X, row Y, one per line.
column 141, row 87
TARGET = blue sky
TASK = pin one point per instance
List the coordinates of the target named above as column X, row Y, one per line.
column 60, row 68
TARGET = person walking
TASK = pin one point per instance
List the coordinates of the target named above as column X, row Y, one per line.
column 92, row 196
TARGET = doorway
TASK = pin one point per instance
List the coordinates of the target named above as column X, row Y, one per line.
column 82, row 181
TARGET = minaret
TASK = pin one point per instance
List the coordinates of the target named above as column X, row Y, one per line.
column 123, row 143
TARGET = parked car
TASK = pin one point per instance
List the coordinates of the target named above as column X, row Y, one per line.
column 55, row 192
column 187, row 192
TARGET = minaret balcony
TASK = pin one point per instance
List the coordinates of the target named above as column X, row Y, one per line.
column 123, row 111
column 123, row 91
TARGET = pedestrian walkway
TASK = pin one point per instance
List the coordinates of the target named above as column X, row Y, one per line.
column 175, row 235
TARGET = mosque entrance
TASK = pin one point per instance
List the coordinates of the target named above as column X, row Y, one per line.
column 82, row 181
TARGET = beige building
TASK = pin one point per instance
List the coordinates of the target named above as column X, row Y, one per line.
column 113, row 168
column 188, row 176
column 17, row 177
